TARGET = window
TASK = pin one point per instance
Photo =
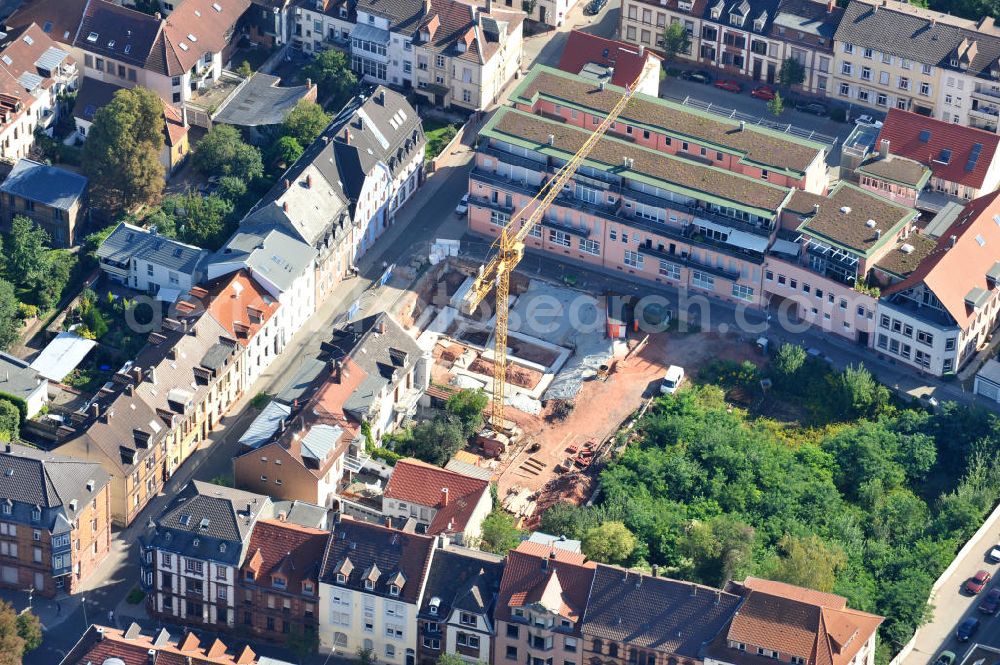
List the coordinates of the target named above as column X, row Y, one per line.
column 845, row 90
column 925, row 338
column 513, row 631
column 868, row 53
column 670, row 270
column 904, row 83
column 590, row 246
column 466, row 640
column 866, row 73
column 925, row 89
column 846, row 68
column 633, row 259
column 560, row 238
column 848, row 48
column 193, row 566
column 949, row 344
column 883, row 78
column 926, row 69
column 702, row 280
column 439, row 61
column 743, row 292
column 220, row 592
column 511, row 653
column 570, row 644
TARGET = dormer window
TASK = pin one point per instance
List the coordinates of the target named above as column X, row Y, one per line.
column 369, row 585
column 736, row 19
column 307, row 588
column 249, row 576
column 954, row 62
column 36, row 513
column 716, row 12
column 278, row 582
column 393, row 590
column 6, row 507
column 341, row 578
column 433, row 609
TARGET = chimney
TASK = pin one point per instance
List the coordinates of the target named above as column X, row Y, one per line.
column 718, row 596
column 883, row 148
column 151, row 657
column 95, row 408
column 158, row 16
column 815, row 208
column 380, row 98
column 694, row 589
column 878, row 234
column 427, row 7
column 743, row 125
column 152, row 375
column 137, row 372
column 830, row 6
column 603, row 84
column 489, row 7
column 347, row 136
column 444, row 496
column 309, row 84
column 656, row 570
column 953, row 240
column 129, row 389
column 288, row 183
column 381, row 326
column 552, row 139
column 100, row 634
column 642, row 51
column 284, row 206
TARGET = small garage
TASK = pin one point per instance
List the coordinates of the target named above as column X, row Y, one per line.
column 987, row 381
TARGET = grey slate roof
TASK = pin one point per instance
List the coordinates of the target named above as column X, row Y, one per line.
column 462, row 579
column 379, row 354
column 752, row 10
column 260, row 101
column 203, row 517
column 129, row 242
column 91, row 96
column 655, row 612
column 31, row 478
column 265, row 425
column 810, row 17
column 268, row 251
column 365, row 545
column 17, row 378
column 302, row 513
column 48, row 185
column 912, row 34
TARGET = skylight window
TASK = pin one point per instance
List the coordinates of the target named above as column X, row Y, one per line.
column 925, row 136
column 981, row 240
column 92, row 37
column 128, row 49
column 945, row 156
column 47, row 27
column 28, row 40
column 184, row 47
column 6, row 60
column 217, row 7
column 197, row 13
column 111, row 44
column 192, row 38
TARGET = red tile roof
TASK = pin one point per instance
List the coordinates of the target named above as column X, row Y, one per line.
column 903, row 130
column 952, row 271
column 417, row 482
column 534, row 569
column 583, row 48
column 290, row 550
column 210, row 27
column 794, row 621
column 241, row 306
column 24, row 47
column 96, row 647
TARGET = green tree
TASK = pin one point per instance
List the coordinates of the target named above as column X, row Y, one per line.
column 196, row 219
column 807, row 562
column 94, row 240
column 676, row 40
column 286, row 151
column 453, row 659
column 567, row 519
column 11, row 643
column 610, row 542
column 29, row 629
column 331, row 71
column 776, row 106
column 10, row 325
column 859, row 394
column 433, row 441
column 499, row 532
column 718, row 549
column 223, row 152
column 305, row 122
column 96, row 323
column 467, row 406
column 231, row 188
column 366, row 656
column 122, row 154
column 60, row 266
column 27, row 244
column 792, row 72
column 789, row 360
column 244, row 70
column 10, row 420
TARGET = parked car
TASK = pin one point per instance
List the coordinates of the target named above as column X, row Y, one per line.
column 946, row 658
column 672, row 380
column 977, row 582
column 815, row 108
column 594, row 7
column 463, row 206
column 994, row 555
column 698, row 76
column 866, row 119
column 967, row 629
column 731, row 86
column 764, row 92
column 990, row 602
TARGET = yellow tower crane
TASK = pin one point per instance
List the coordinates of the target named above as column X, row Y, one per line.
column 509, row 248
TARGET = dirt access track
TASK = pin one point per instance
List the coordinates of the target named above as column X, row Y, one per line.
column 602, row 406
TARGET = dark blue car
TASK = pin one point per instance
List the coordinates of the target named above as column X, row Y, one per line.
column 967, row 629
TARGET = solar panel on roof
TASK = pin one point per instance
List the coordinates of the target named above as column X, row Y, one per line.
column 925, row 136
column 945, row 156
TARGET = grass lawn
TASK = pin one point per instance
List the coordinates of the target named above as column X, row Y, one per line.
column 438, row 133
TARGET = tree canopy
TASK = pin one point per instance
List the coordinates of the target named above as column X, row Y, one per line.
column 676, row 40
column 223, row 152
column 331, row 71
column 10, row 327
column 305, row 122
column 122, row 154
column 792, row 72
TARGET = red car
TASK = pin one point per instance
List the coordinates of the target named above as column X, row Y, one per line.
column 764, row 92
column 731, row 86
column 977, row 582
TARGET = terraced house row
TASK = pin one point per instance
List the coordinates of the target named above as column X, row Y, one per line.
column 746, row 215
column 232, row 560
column 882, row 54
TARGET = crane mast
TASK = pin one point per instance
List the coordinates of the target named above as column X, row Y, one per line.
column 509, row 249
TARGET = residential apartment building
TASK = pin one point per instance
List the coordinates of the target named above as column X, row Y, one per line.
column 541, row 606
column 804, row 30
column 193, row 552
column 278, row 584
column 791, row 624
column 55, row 520
column 174, row 56
column 345, row 190
column 635, row 618
column 53, row 198
column 452, row 53
column 371, row 588
column 668, row 195
column 18, row 379
column 437, row 500
column 829, row 249
column 618, row 63
column 942, row 313
column 147, row 261
column 459, row 600
column 377, row 373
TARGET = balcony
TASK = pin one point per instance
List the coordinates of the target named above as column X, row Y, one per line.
column 986, row 91
column 514, row 186
column 984, row 112
column 686, row 261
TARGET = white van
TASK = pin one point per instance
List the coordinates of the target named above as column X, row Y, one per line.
column 672, row 380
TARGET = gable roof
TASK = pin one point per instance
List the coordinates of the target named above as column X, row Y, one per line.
column 59, row 19
column 19, row 379
column 31, row 55
column 118, row 32
column 270, row 252
column 583, row 48
column 462, row 579
column 44, row 184
column 807, row 22
column 554, row 577
column 924, row 140
column 129, row 242
column 424, row 484
column 34, row 479
column 239, row 304
column 197, row 27
column 951, row 272
column 667, row 615
column 290, row 550
column 361, row 549
column 794, row 621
